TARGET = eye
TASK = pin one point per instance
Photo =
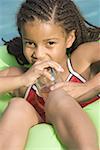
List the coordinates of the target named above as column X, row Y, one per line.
column 29, row 44
column 51, row 42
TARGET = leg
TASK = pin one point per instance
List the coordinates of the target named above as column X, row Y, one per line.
column 17, row 119
column 70, row 121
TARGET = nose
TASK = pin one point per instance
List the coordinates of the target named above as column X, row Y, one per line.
column 40, row 53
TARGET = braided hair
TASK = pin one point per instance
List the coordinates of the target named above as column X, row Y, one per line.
column 15, row 48
column 62, row 12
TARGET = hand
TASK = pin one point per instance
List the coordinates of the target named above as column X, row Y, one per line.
column 20, row 92
column 38, row 69
column 76, row 90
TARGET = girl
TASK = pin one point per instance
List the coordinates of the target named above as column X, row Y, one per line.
column 48, row 30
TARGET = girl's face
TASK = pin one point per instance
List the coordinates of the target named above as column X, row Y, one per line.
column 44, row 41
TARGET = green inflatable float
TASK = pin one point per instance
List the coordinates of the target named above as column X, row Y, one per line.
column 42, row 136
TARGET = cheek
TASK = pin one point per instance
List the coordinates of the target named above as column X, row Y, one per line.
column 60, row 54
column 27, row 54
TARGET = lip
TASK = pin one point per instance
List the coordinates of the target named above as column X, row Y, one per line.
column 33, row 60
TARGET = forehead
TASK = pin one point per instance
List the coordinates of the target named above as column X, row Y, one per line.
column 39, row 29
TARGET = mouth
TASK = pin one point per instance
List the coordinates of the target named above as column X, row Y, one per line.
column 33, row 60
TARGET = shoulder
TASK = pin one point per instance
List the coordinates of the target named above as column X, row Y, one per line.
column 88, row 51
column 90, row 46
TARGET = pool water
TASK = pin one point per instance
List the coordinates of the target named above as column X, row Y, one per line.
column 8, row 10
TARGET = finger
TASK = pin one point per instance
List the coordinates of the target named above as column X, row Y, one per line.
column 37, row 62
column 47, row 74
column 56, row 86
column 45, row 64
column 55, row 65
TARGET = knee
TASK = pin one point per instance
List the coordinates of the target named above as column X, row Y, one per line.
column 57, row 101
column 16, row 100
column 20, row 105
column 16, row 103
column 58, row 98
column 20, row 109
column 53, row 99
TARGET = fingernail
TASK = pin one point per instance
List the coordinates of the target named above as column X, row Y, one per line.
column 60, row 69
column 51, row 88
column 52, row 78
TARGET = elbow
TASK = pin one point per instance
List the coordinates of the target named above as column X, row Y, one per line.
column 98, row 82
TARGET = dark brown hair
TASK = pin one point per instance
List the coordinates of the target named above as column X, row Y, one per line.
column 15, row 48
column 63, row 12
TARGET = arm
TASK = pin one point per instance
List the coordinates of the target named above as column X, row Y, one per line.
column 10, row 79
column 91, row 50
column 87, row 53
column 90, row 88
column 81, row 91
column 15, row 78
column 90, row 63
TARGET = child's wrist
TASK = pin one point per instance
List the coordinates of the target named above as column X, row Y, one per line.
column 94, row 84
column 23, row 81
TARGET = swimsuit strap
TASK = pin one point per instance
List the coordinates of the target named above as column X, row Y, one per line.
column 72, row 72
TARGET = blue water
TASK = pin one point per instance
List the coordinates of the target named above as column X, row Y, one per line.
column 8, row 9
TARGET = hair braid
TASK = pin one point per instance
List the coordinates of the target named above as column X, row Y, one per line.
column 31, row 9
column 39, row 9
column 15, row 48
column 71, row 19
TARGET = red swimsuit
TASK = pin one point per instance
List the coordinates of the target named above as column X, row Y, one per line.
column 39, row 103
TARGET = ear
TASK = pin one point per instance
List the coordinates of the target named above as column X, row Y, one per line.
column 70, row 39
